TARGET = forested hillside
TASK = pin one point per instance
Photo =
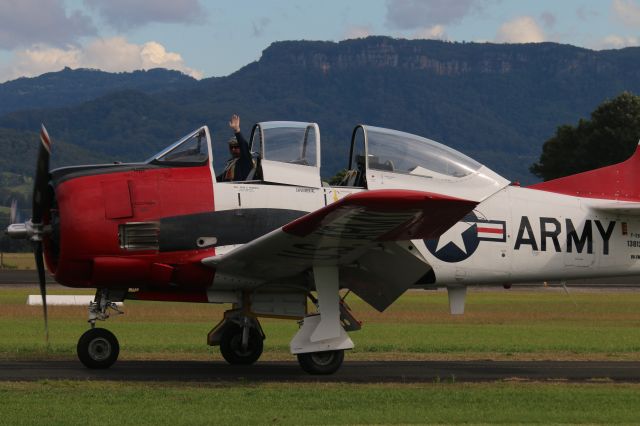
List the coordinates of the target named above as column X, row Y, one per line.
column 496, row 103
column 71, row 87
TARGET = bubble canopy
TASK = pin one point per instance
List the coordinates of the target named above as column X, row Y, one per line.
column 401, row 152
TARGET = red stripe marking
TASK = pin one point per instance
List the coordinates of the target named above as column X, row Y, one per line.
column 491, row 230
column 44, row 137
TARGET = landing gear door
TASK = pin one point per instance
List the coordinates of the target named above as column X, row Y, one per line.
column 287, row 152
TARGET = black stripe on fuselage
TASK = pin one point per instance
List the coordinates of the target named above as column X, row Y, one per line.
column 228, row 227
column 64, row 174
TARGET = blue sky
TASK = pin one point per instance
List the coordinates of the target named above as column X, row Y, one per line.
column 215, row 38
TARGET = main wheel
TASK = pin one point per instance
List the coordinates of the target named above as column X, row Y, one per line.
column 98, row 348
column 231, row 346
column 326, row 362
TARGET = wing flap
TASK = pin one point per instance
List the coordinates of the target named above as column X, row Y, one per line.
column 338, row 234
column 403, row 214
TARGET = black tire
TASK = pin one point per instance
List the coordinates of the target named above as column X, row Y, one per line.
column 98, row 348
column 231, row 345
column 327, row 362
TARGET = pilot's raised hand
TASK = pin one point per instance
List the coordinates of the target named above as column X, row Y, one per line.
column 234, row 123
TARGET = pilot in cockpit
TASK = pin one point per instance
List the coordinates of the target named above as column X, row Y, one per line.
column 240, row 164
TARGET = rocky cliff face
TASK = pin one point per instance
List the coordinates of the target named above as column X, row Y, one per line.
column 446, row 58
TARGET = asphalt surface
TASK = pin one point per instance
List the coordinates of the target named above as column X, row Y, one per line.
column 351, row 372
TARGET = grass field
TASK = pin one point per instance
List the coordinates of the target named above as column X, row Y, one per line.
column 100, row 403
column 497, row 325
column 18, row 261
column 514, row 324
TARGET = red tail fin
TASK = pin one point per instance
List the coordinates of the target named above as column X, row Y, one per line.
column 617, row 182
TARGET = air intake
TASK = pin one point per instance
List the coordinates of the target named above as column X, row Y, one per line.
column 139, row 236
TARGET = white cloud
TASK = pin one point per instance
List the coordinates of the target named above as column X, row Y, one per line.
column 627, row 11
column 523, row 29
column 437, row 32
column 112, row 54
column 358, row 31
column 25, row 22
column 125, row 14
column 411, row 14
column 617, row 42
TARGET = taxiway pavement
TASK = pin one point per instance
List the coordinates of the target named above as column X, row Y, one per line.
column 351, row 371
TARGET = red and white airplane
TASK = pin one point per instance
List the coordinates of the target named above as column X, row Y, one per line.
column 410, row 213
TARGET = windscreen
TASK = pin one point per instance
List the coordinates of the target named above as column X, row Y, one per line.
column 192, row 149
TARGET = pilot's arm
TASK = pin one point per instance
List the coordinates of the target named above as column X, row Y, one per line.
column 234, row 123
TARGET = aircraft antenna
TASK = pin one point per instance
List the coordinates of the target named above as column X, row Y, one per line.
column 566, row 290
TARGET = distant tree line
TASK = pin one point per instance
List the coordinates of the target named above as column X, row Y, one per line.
column 610, row 136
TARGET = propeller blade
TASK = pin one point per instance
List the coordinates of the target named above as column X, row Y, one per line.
column 41, row 201
column 41, row 184
column 37, row 251
column 14, row 211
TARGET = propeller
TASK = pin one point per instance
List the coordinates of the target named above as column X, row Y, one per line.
column 41, row 202
column 14, row 211
column 34, row 229
column 41, row 184
column 38, row 253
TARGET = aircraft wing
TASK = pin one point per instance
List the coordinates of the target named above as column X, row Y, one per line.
column 630, row 208
column 360, row 234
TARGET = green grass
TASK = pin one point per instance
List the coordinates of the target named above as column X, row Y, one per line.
column 18, row 261
column 99, row 403
column 497, row 325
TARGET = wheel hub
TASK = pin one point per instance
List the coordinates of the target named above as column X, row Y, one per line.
column 236, row 344
column 99, row 349
column 322, row 358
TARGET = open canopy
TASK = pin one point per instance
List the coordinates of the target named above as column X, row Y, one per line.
column 288, row 152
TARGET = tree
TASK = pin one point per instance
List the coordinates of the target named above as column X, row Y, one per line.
column 609, row 137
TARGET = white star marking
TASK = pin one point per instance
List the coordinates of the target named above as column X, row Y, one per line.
column 454, row 235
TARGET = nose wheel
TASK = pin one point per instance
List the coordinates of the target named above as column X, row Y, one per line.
column 98, row 348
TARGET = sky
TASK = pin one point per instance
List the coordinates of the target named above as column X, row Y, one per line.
column 216, row 38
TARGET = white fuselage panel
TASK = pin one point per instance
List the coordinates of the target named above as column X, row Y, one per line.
column 521, row 235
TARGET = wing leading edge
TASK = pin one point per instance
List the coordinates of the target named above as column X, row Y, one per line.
column 359, row 234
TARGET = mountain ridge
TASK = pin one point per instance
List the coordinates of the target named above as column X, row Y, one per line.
column 69, row 87
column 497, row 103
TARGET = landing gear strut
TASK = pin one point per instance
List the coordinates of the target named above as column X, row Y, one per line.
column 322, row 339
column 98, row 348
